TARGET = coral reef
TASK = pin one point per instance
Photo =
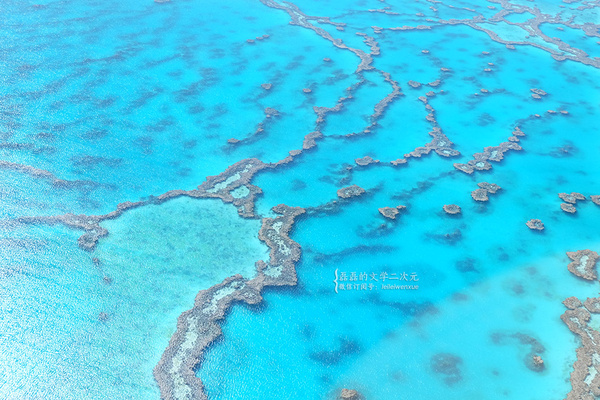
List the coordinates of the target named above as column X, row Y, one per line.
column 440, row 142
column 452, row 209
column 350, row 394
column 310, row 140
column 585, row 382
column 535, row 224
column 558, row 49
column 537, row 93
column 399, row 161
column 303, row 20
column 583, row 264
column 490, row 187
column 571, row 198
column 364, row 161
column 480, row 195
column 260, row 128
column 485, row 188
column 224, row 186
column 350, row 191
column 481, row 161
column 199, row 327
column 391, row 212
column 43, row 174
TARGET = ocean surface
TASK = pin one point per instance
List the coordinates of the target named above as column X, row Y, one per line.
column 104, row 102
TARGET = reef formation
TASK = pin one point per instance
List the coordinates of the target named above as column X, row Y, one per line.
column 585, row 381
column 198, row 327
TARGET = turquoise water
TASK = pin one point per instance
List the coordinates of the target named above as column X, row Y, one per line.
column 574, row 38
column 131, row 99
column 519, row 18
column 68, row 320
